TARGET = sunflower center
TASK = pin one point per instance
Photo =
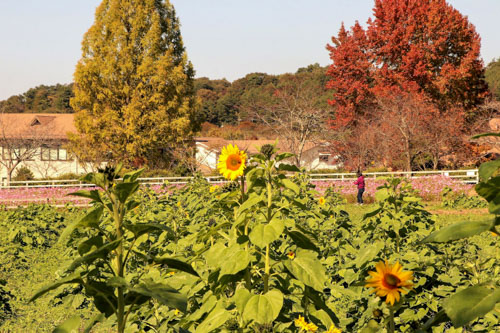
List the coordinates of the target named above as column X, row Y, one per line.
column 391, row 281
column 233, row 162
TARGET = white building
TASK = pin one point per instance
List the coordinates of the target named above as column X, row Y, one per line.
column 38, row 142
column 315, row 156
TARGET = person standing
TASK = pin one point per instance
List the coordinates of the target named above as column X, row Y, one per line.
column 361, row 186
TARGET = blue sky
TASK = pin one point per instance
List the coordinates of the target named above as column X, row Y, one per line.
column 40, row 39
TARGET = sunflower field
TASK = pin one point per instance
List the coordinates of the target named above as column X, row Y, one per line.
column 265, row 252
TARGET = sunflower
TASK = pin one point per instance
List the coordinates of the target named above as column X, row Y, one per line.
column 291, row 255
column 304, row 325
column 334, row 329
column 389, row 280
column 232, row 162
column 321, row 201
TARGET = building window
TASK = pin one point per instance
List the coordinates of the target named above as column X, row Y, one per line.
column 63, row 154
column 53, row 154
column 324, row 157
column 13, row 154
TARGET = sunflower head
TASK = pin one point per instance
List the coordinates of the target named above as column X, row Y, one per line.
column 334, row 329
column 321, row 201
column 304, row 325
column 390, row 280
column 232, row 162
column 291, row 255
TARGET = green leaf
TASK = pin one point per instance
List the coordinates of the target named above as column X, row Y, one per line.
column 487, row 169
column 308, row 269
column 288, row 167
column 90, row 243
column 459, row 231
column 382, row 194
column 251, row 202
column 125, row 190
column 371, row 327
column 437, row 319
column 91, row 220
column 69, row 326
column 302, row 240
column 372, row 213
column 234, row 260
column 177, row 264
column 471, row 303
column 132, row 176
column 368, row 253
column 139, row 229
column 263, row 309
column 215, row 319
column 213, row 255
column 163, row 293
column 101, row 252
column 96, row 319
column 485, row 134
column 116, row 282
column 93, row 194
column 70, row 279
column 264, row 234
column 241, row 298
column 283, row 156
column 287, row 183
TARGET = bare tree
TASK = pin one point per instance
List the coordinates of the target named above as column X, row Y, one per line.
column 294, row 113
column 20, row 142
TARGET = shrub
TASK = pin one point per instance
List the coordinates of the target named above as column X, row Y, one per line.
column 23, row 174
column 451, row 199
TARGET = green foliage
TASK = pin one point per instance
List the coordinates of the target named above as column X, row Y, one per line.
column 41, row 99
column 450, row 199
column 23, row 173
column 492, row 76
column 5, row 297
column 476, row 300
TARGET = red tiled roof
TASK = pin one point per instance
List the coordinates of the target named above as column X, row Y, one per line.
column 36, row 125
column 250, row 146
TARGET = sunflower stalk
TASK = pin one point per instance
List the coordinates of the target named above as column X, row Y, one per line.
column 390, row 326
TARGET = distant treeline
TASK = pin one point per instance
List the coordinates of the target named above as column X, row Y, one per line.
column 222, row 102
column 42, row 99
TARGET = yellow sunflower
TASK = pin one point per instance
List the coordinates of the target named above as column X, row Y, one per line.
column 232, row 162
column 334, row 329
column 321, row 201
column 389, row 280
column 304, row 325
column 291, row 255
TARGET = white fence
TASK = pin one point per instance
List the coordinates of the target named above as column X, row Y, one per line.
column 465, row 176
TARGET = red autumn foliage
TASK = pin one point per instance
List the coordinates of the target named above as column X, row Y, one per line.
column 423, row 52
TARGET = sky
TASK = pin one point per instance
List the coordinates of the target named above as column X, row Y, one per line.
column 40, row 40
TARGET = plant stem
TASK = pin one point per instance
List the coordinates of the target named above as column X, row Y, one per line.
column 267, row 268
column 391, row 328
column 120, row 315
column 266, row 271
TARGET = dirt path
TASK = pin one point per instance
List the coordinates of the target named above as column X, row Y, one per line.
column 479, row 211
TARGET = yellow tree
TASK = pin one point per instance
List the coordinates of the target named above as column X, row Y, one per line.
column 134, row 96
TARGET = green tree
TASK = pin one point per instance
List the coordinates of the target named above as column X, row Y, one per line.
column 134, row 93
column 493, row 78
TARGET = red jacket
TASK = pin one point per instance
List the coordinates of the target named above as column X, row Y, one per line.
column 360, row 182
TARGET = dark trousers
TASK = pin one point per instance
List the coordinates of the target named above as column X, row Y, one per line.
column 360, row 195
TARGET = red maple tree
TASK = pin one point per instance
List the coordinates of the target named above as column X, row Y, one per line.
column 421, row 47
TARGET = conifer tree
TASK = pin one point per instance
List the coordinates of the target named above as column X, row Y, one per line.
column 134, row 94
